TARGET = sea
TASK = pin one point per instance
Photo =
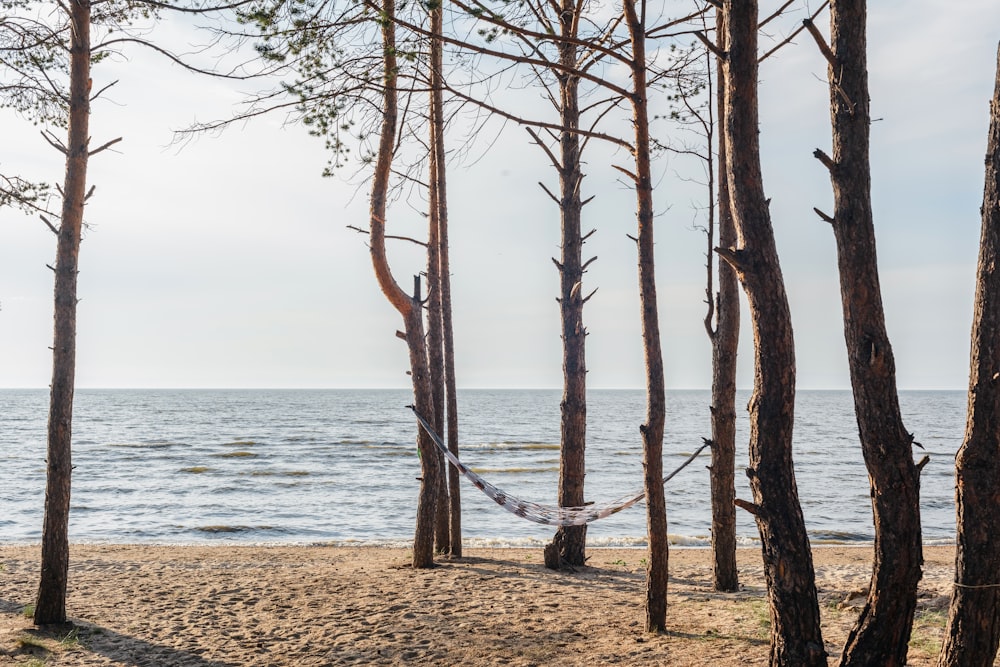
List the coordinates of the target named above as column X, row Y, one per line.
column 340, row 466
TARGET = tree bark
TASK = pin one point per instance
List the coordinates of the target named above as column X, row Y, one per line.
column 50, row 605
column 796, row 638
column 725, row 342
column 973, row 631
column 423, row 537
column 435, row 315
column 435, row 359
column 882, row 632
column 440, row 207
column 409, row 308
column 568, row 546
column 652, row 430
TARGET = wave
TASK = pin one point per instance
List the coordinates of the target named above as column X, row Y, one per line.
column 154, row 444
column 821, row 537
column 512, row 446
column 223, row 528
column 487, row 471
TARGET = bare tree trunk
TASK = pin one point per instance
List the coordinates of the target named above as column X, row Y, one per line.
column 973, row 631
column 440, row 208
column 435, row 315
column 50, row 606
column 451, row 396
column 788, row 569
column 882, row 633
column 568, row 546
column 725, row 341
column 652, row 429
column 409, row 307
column 430, row 459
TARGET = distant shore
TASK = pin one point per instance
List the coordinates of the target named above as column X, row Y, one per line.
column 216, row 606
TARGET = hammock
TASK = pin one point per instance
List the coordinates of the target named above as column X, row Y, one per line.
column 549, row 515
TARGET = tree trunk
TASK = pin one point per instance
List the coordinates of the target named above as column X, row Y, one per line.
column 568, row 546
column 435, row 360
column 440, row 208
column 882, row 632
column 430, row 456
column 973, row 630
column 788, row 569
column 50, row 606
column 435, row 316
column 408, row 307
column 652, row 429
column 725, row 341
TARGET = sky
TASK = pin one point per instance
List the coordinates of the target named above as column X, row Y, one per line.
column 228, row 262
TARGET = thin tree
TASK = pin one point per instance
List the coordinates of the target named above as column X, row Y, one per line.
column 973, row 631
column 796, row 638
column 409, row 307
column 435, row 304
column 568, row 546
column 449, row 534
column 37, row 55
column 653, row 426
column 725, row 344
column 722, row 324
column 50, row 604
column 882, row 632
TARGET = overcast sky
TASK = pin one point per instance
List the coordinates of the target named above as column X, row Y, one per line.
column 228, row 262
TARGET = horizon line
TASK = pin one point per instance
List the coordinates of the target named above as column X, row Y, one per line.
column 384, row 388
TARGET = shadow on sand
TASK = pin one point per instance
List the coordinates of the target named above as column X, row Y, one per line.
column 49, row 641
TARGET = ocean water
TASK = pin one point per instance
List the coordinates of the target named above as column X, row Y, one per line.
column 340, row 466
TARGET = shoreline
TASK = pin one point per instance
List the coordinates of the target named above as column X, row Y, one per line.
column 227, row 605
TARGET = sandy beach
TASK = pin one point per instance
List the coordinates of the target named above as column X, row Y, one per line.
column 196, row 606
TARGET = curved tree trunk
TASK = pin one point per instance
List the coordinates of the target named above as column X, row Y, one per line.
column 796, row 638
column 50, row 605
column 568, row 546
column 973, row 631
column 882, row 633
column 725, row 341
column 408, row 307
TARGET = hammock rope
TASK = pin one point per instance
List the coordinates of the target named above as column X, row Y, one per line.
column 549, row 515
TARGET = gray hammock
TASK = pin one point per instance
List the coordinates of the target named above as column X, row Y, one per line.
column 549, row 515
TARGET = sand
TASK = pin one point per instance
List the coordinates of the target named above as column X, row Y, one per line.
column 198, row 606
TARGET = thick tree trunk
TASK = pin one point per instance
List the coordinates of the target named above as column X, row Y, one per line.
column 652, row 430
column 882, row 632
column 430, row 457
column 50, row 606
column 568, row 546
column 725, row 341
column 408, row 307
column 973, row 630
column 788, row 569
